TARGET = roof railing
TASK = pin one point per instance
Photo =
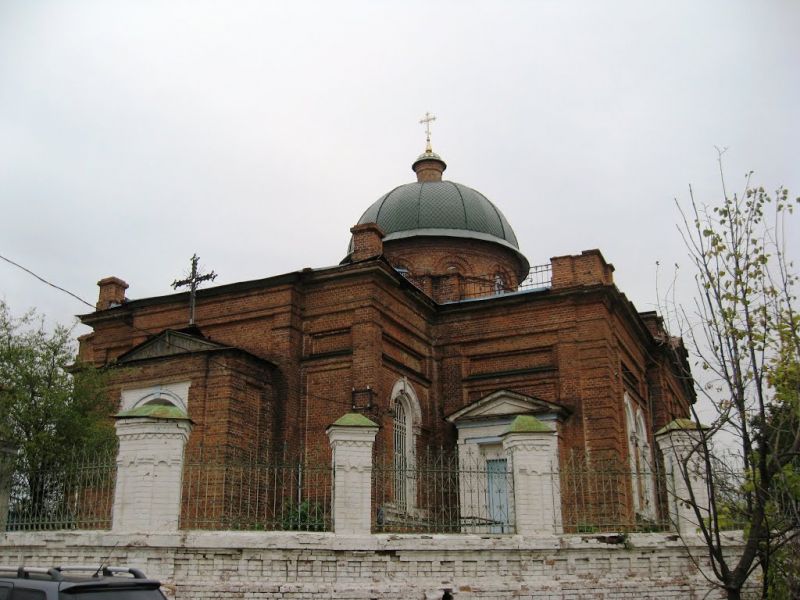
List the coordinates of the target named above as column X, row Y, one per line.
column 485, row 286
column 482, row 286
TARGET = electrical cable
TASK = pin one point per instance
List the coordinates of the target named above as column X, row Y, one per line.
column 43, row 280
column 169, row 342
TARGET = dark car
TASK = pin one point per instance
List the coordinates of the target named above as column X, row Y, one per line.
column 77, row 583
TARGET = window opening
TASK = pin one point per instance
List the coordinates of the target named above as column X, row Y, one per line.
column 499, row 284
column 400, row 455
column 640, row 459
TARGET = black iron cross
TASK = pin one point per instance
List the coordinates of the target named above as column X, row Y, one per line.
column 193, row 281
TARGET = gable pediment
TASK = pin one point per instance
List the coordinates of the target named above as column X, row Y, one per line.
column 505, row 404
column 169, row 343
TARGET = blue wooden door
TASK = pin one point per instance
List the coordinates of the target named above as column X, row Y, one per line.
column 497, row 490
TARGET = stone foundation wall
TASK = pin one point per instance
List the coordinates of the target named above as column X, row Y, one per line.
column 288, row 565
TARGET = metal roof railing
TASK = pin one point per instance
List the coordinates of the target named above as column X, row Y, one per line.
column 482, row 286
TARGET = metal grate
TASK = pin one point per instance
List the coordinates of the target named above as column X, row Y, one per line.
column 402, row 475
column 452, row 493
column 594, row 497
column 77, row 492
column 247, row 493
column 496, row 284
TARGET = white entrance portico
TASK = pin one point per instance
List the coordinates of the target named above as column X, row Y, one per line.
column 486, row 465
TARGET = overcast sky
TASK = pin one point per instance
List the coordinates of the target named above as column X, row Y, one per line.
column 133, row 134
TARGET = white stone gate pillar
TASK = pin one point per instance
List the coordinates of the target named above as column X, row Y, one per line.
column 685, row 469
column 532, row 448
column 351, row 438
column 147, row 496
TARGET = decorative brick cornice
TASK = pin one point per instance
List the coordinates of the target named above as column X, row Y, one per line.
column 153, row 435
column 352, row 443
column 128, row 460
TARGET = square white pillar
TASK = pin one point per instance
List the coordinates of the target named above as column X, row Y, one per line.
column 147, row 496
column 685, row 469
column 351, row 438
column 532, row 448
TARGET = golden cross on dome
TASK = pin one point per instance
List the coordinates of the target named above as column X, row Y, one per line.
column 427, row 120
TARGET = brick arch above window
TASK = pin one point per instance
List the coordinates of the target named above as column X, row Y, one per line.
column 403, row 393
column 453, row 263
column 176, row 393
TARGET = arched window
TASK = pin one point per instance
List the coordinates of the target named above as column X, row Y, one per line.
column 499, row 283
column 405, row 426
column 176, row 394
column 630, row 428
column 645, row 464
column 401, row 462
column 640, row 458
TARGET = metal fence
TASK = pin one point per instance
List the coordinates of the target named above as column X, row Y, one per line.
column 436, row 492
column 539, row 277
column 74, row 492
column 606, row 495
column 443, row 492
column 247, row 493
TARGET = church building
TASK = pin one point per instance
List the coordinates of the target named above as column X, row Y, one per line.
column 434, row 326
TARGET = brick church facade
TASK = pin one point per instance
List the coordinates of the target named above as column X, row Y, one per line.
column 433, row 325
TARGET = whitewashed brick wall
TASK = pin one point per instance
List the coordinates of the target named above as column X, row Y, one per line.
column 147, row 496
column 296, row 566
column 352, row 475
column 537, row 493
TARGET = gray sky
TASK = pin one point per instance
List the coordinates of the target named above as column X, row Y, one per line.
column 133, row 134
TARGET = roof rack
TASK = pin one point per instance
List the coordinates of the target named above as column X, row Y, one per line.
column 56, row 573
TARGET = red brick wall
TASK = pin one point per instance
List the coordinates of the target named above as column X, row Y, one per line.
column 362, row 327
column 447, row 268
column 231, row 398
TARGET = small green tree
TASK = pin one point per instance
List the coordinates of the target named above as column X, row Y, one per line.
column 744, row 333
column 52, row 409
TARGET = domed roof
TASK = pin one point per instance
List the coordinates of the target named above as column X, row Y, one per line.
column 450, row 208
column 433, row 207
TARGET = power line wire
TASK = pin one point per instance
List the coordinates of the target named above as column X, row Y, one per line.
column 152, row 333
column 43, row 280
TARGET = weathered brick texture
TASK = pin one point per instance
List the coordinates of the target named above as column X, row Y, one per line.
column 295, row 566
column 304, row 348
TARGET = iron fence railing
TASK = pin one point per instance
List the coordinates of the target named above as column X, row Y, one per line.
column 465, row 490
column 443, row 492
column 471, row 287
column 606, row 495
column 248, row 493
column 539, row 277
column 72, row 492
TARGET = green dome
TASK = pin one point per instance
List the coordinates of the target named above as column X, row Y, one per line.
column 440, row 208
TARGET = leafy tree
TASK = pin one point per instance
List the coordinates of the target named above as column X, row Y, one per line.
column 52, row 409
column 744, row 332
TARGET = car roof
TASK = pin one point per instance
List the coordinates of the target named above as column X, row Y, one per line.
column 77, row 577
